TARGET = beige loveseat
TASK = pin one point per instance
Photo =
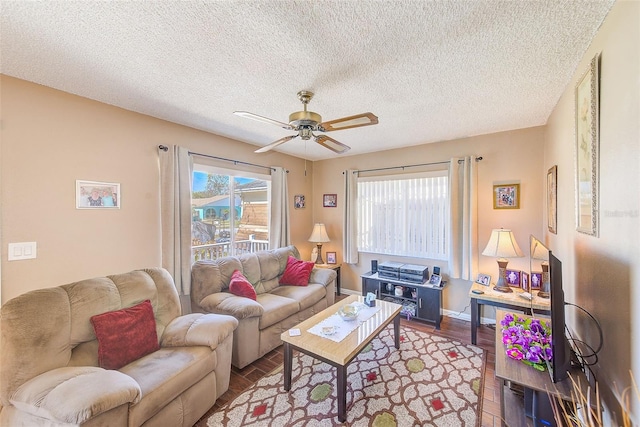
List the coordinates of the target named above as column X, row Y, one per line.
column 276, row 309
column 50, row 374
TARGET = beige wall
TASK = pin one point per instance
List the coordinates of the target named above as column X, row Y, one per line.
column 602, row 274
column 50, row 139
column 508, row 157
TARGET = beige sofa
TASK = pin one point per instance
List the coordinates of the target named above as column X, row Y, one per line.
column 277, row 308
column 50, row 374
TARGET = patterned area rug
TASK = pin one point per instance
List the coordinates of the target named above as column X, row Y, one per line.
column 430, row 381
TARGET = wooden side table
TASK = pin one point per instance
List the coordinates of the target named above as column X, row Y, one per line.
column 336, row 268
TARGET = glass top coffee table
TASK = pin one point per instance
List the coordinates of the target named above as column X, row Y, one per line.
column 339, row 354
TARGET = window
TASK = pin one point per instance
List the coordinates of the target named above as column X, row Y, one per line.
column 406, row 215
column 230, row 212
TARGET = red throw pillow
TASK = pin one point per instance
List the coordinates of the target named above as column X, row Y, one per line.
column 240, row 286
column 297, row 272
column 125, row 335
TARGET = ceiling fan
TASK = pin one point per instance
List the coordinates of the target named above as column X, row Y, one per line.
column 307, row 122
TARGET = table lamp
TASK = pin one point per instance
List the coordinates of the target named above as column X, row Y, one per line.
column 502, row 244
column 541, row 253
column 319, row 236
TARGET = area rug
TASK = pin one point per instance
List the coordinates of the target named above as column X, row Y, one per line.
column 429, row 381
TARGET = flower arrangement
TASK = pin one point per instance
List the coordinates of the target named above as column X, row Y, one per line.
column 527, row 339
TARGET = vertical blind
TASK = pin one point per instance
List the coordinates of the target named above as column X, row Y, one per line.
column 404, row 215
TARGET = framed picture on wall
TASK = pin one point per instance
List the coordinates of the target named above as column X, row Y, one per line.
column 552, row 199
column 298, row 201
column 330, row 200
column 506, row 196
column 97, row 195
column 587, row 109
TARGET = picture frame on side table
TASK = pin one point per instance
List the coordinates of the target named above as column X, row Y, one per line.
column 552, row 199
column 330, row 200
column 435, row 280
column 97, row 195
column 513, row 278
column 587, row 107
column 524, row 281
column 484, row 279
column 536, row 280
column 331, row 258
column 299, row 201
column 506, row 196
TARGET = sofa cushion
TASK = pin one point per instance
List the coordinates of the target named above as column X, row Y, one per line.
column 276, row 308
column 306, row 296
column 240, row 286
column 297, row 272
column 165, row 374
column 125, row 335
column 75, row 394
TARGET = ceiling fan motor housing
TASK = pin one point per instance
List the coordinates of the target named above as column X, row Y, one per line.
column 304, row 118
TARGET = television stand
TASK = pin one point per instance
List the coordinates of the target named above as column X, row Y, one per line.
column 532, row 407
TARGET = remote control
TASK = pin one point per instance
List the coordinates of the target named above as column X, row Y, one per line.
column 476, row 291
column 526, row 295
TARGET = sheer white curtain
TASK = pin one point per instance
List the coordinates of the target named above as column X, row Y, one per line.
column 350, row 218
column 175, row 215
column 279, row 227
column 463, row 247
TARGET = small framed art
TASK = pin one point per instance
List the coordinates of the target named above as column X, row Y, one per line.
column 536, row 279
column 506, row 196
column 435, row 280
column 331, row 258
column 483, row 279
column 524, row 281
column 330, row 200
column 513, row 278
column 97, row 195
column 298, row 201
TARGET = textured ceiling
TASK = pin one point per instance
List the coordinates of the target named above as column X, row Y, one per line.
column 431, row 71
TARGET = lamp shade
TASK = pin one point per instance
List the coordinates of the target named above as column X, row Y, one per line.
column 538, row 250
column 319, row 234
column 502, row 244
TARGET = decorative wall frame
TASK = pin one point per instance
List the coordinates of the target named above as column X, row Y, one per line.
column 587, row 148
column 513, row 278
column 552, row 199
column 97, row 195
column 536, row 280
column 506, row 196
column 330, row 200
column 331, row 258
column 524, row 281
column 299, row 201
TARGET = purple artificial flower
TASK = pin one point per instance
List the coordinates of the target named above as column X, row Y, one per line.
column 527, row 340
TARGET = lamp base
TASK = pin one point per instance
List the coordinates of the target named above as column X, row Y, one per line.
column 502, row 285
column 319, row 259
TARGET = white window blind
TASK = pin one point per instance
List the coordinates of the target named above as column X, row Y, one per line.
column 406, row 215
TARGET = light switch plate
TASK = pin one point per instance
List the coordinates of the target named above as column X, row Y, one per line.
column 23, row 250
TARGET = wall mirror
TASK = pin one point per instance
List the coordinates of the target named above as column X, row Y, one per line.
column 538, row 268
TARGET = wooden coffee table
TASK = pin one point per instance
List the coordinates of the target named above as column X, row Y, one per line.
column 339, row 354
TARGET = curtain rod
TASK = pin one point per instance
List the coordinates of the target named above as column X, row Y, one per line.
column 235, row 162
column 411, row 166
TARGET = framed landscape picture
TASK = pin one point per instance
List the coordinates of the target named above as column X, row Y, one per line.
column 506, row 196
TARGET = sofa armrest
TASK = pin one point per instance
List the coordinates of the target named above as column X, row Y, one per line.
column 75, row 394
column 198, row 329
column 226, row 303
column 323, row 276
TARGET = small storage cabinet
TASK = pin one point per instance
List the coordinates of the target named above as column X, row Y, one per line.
column 420, row 301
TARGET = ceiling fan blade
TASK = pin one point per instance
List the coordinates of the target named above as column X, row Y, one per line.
column 364, row 119
column 249, row 115
column 332, row 144
column 275, row 144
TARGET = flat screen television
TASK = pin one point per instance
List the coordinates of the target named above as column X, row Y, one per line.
column 560, row 363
